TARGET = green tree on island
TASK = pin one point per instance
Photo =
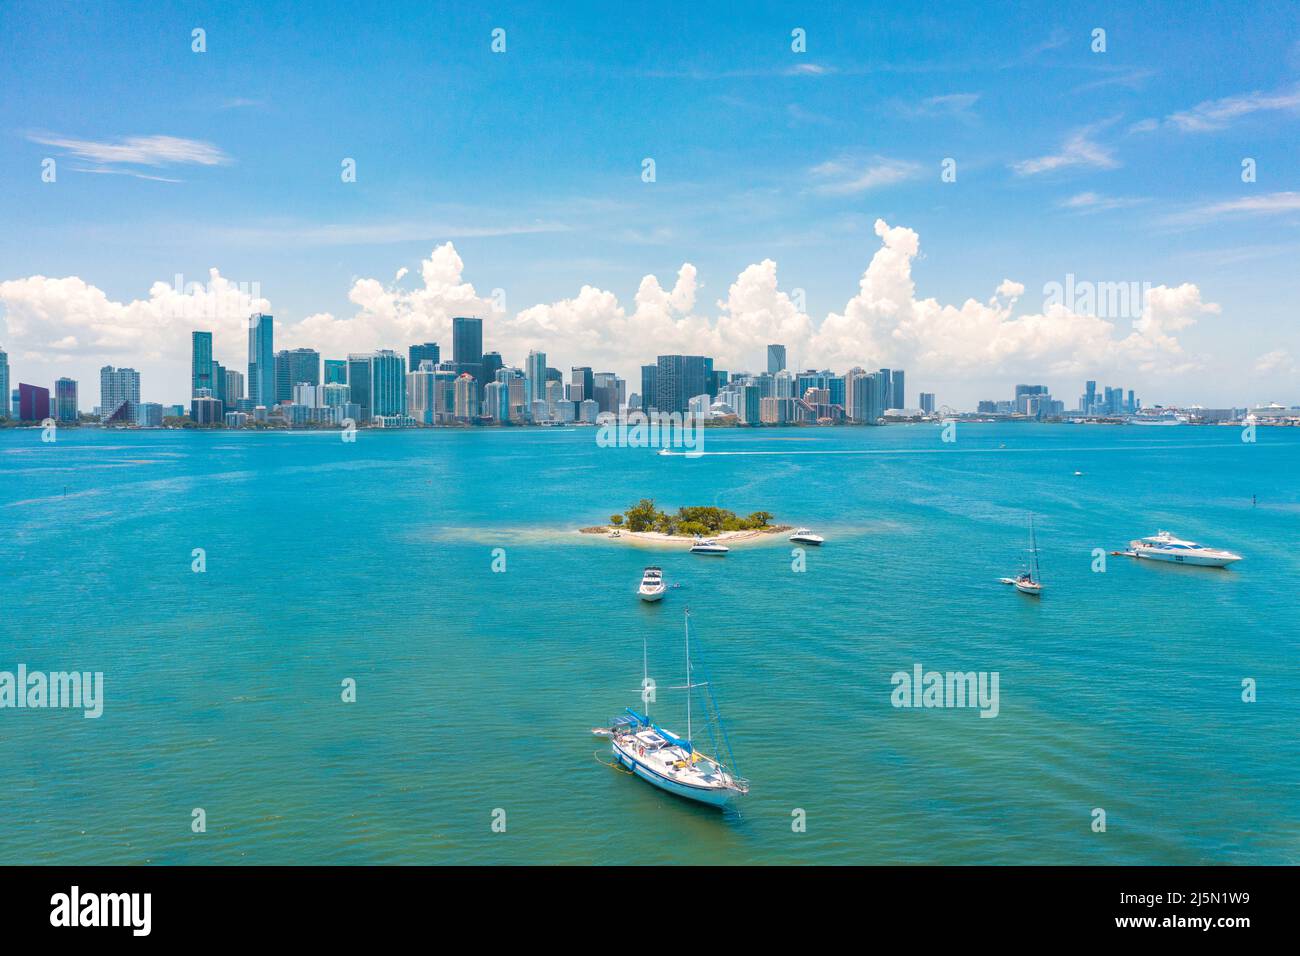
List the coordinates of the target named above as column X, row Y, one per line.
column 701, row 520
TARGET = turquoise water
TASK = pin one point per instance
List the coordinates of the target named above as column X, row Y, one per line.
column 477, row 690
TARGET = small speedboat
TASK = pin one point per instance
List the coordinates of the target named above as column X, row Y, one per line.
column 652, row 585
column 708, row 546
column 805, row 536
column 616, row 533
column 1163, row 546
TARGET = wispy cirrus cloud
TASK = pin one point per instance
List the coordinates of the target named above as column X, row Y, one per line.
column 1096, row 202
column 1213, row 115
column 138, row 150
column 1079, row 149
column 947, row 106
column 1267, row 204
column 846, row 178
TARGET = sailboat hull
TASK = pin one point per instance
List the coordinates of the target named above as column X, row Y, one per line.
column 719, row 797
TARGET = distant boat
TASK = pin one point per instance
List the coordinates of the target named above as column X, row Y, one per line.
column 1027, row 581
column 1078, row 474
column 652, row 585
column 1163, row 546
column 805, row 536
column 672, row 763
column 708, row 546
column 615, row 533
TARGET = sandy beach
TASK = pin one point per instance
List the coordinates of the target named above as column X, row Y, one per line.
column 775, row 534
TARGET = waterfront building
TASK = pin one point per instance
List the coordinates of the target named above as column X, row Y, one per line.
column 261, row 359
column 234, row 390
column 534, row 378
column 466, row 397
column 293, row 367
column 150, row 415
column 206, row 409
column 422, row 393
column 927, row 403
column 610, row 391
column 649, row 388
column 776, row 411
column 201, row 362
column 33, row 403
column 467, row 345
column 4, row 384
column 899, row 399
column 427, row 352
column 775, row 359
column 588, row 410
column 496, row 402
column 387, row 384
column 679, row 378
column 236, row 419
column 491, row 364
column 119, row 393
column 359, row 383
column 65, row 400
column 336, row 372
column 583, row 382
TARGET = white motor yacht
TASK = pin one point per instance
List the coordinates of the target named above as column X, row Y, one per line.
column 708, row 546
column 652, row 585
column 805, row 536
column 1164, row 546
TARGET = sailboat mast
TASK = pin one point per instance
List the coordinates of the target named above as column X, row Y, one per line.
column 688, row 678
column 645, row 677
column 1033, row 550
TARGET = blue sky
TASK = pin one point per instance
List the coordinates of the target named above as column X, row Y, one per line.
column 1119, row 166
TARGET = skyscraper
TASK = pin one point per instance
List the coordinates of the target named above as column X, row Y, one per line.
column 4, row 384
column 336, row 372
column 775, row 358
column 234, row 387
column 899, row 399
column 467, row 345
column 649, row 387
column 119, row 393
column 359, row 380
column 492, row 364
column 387, row 383
column 927, row 402
column 295, row 367
column 534, row 378
column 261, row 359
column 427, row 352
column 680, row 378
column 201, row 362
column 65, row 400
column 33, row 403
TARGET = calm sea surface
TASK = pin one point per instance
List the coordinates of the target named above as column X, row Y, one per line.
column 477, row 690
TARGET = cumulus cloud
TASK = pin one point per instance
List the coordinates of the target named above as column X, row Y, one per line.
column 1277, row 361
column 884, row 324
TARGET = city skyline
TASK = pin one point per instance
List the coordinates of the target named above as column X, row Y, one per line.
column 722, row 186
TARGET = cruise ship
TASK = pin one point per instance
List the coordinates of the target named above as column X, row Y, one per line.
column 1164, row 546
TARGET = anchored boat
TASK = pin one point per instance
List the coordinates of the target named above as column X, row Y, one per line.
column 708, row 546
column 1163, row 546
column 672, row 763
column 1027, row 581
column 652, row 585
column 805, row 536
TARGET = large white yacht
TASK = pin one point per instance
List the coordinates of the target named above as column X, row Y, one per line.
column 652, row 585
column 1163, row 546
column 708, row 546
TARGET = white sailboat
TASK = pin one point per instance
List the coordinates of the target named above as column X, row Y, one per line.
column 672, row 763
column 1028, row 581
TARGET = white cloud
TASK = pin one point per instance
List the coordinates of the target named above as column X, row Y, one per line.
column 1096, row 202
column 1267, row 204
column 844, row 177
column 1212, row 115
column 884, row 323
column 1277, row 361
column 139, row 150
column 1079, row 149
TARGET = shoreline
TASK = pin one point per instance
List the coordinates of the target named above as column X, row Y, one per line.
column 767, row 535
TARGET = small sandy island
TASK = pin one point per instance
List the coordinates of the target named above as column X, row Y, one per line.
column 775, row 534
